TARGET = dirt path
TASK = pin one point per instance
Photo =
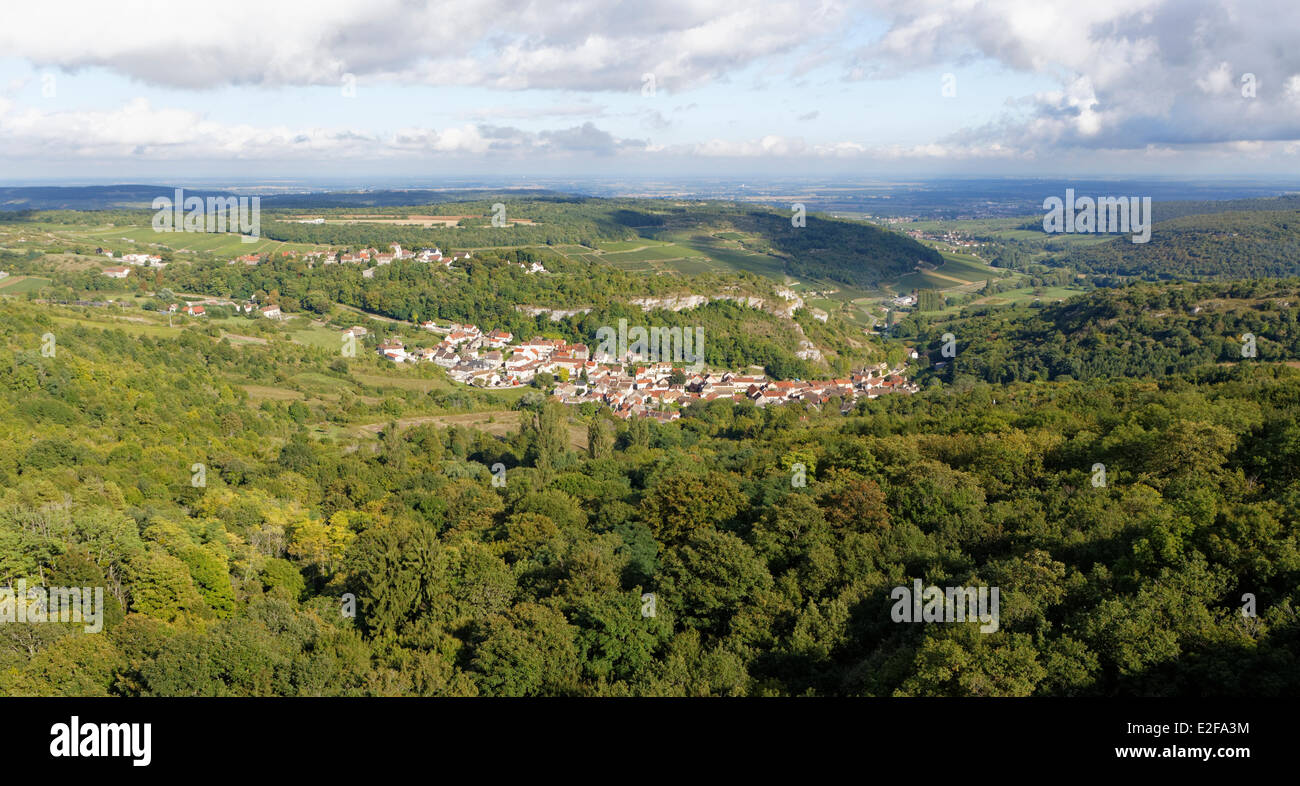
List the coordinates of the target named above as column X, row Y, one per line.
column 937, row 274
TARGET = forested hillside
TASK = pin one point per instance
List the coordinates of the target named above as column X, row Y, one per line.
column 1235, row 245
column 1142, row 330
column 1167, row 210
column 763, row 586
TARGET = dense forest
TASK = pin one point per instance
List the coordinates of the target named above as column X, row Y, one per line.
column 1170, row 209
column 1141, row 330
column 1235, row 245
column 762, row 584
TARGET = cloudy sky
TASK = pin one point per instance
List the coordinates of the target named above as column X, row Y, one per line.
column 336, row 88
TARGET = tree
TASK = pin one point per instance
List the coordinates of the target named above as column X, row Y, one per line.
column 547, row 436
column 322, row 543
column 162, row 587
column 600, row 437
column 394, row 448
column 682, row 503
column 529, row 651
column 709, row 577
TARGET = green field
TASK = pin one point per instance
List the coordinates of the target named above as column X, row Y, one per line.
column 688, row 253
column 620, row 246
column 920, row 280
column 969, row 268
column 421, row 384
column 141, row 239
column 21, row 285
column 651, row 254
column 957, row 270
column 137, row 328
column 326, row 338
column 733, row 255
column 1030, row 294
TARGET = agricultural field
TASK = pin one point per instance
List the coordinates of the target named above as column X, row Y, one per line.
column 498, row 422
column 141, row 238
column 321, row 336
column 657, row 253
column 21, row 285
column 688, row 253
column 131, row 325
column 1030, row 294
column 623, row 246
column 402, row 382
column 222, row 244
column 959, row 268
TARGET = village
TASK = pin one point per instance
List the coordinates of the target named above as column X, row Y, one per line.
column 635, row 385
column 374, row 258
column 371, row 257
column 632, row 386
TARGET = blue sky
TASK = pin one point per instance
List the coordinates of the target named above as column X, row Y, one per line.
column 496, row 87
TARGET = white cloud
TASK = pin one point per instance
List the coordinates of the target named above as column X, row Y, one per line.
column 1146, row 76
column 1218, row 81
column 511, row 44
column 1133, row 73
column 1292, row 87
column 532, row 113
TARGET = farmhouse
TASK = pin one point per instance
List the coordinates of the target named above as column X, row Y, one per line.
column 394, row 350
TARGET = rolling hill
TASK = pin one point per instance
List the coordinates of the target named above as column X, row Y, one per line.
column 1245, row 244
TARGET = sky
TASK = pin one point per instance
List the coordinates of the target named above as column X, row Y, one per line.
column 130, row 91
